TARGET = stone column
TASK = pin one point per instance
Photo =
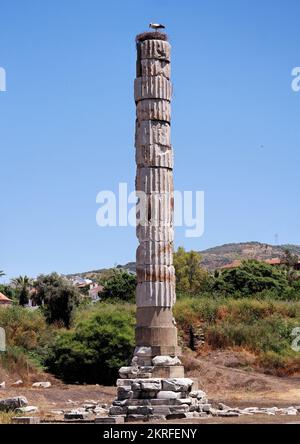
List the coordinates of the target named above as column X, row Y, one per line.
column 154, row 384
column 156, row 333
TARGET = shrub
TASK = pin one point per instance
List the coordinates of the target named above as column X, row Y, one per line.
column 252, row 277
column 98, row 345
column 120, row 287
column 28, row 338
column 59, row 298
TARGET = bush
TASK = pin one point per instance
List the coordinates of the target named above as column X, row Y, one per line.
column 28, row 338
column 98, row 345
column 120, row 287
column 250, row 278
column 190, row 277
column 59, row 298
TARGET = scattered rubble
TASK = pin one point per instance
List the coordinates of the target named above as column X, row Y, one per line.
column 12, row 403
column 225, row 411
column 28, row 409
column 44, row 384
column 17, row 383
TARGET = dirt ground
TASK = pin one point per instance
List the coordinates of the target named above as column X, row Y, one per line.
column 224, row 376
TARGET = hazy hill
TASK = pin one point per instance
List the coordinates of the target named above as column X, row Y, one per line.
column 219, row 256
column 225, row 254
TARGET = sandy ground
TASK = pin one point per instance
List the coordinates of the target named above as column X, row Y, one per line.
column 217, row 375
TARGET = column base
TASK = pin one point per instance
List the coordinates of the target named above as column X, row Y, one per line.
column 140, row 399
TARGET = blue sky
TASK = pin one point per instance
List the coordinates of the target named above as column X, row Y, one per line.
column 67, row 123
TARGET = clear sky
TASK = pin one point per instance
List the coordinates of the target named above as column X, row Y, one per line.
column 67, row 123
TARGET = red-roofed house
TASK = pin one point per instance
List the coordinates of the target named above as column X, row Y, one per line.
column 5, row 301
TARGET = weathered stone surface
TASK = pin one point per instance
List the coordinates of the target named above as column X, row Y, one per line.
column 172, row 371
column 136, row 418
column 151, row 233
column 140, row 410
column 168, row 395
column 178, row 384
column 158, row 156
column 155, row 273
column 100, row 411
column 179, row 408
column 76, row 414
column 154, row 181
column 151, row 132
column 159, row 294
column 154, row 253
column 151, row 386
column 26, row 420
column 152, row 88
column 118, row 410
column 124, row 392
column 205, row 408
column 110, row 420
column 155, row 49
column 152, row 67
column 27, row 409
column 169, row 360
column 17, row 383
column 154, row 109
column 161, row 410
column 176, row 416
column 143, row 352
column 155, row 209
column 43, row 384
column 199, row 394
column 12, row 403
column 183, row 401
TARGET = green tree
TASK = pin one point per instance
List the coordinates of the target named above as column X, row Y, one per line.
column 290, row 261
column 120, row 286
column 23, row 283
column 190, row 276
column 2, row 273
column 58, row 298
column 251, row 277
column 96, row 348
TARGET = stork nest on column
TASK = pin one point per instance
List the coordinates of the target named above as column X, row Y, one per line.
column 156, row 35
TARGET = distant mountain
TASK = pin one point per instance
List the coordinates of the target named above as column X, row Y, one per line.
column 217, row 257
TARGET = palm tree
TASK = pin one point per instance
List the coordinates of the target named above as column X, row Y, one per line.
column 23, row 283
column 2, row 273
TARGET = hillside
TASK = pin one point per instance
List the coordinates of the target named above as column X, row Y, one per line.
column 217, row 257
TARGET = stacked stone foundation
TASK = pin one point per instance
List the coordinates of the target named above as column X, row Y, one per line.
column 142, row 399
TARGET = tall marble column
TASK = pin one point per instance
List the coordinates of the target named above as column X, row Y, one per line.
column 156, row 333
column 154, row 383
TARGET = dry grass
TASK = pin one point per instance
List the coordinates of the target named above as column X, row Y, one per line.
column 5, row 418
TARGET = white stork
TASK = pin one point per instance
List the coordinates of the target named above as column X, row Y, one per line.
column 157, row 26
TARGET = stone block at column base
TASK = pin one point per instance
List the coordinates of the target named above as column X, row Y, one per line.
column 144, row 399
column 172, row 371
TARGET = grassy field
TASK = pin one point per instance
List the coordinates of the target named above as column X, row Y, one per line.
column 262, row 327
